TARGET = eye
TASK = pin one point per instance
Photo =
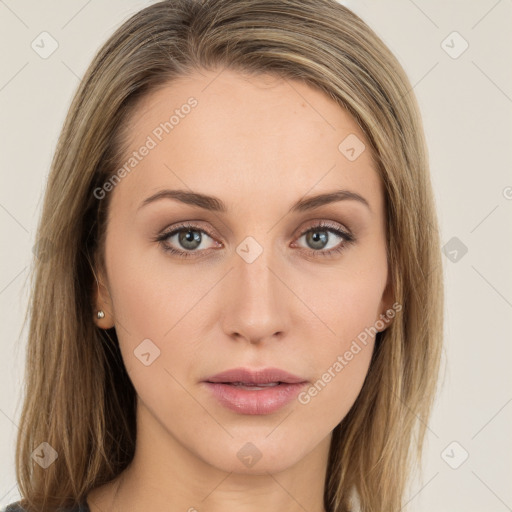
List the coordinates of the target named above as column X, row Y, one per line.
column 188, row 237
column 321, row 239
column 189, row 240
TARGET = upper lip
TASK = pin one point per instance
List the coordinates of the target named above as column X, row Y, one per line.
column 250, row 376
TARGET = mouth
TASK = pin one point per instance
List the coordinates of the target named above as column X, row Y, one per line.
column 255, row 391
column 255, row 377
column 251, row 386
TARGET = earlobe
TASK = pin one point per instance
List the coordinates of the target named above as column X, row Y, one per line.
column 104, row 319
column 383, row 322
column 103, row 315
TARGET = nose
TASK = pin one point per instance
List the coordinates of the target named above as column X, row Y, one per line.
column 256, row 303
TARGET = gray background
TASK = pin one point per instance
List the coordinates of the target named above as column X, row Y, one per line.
column 466, row 101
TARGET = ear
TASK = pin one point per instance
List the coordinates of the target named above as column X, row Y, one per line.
column 102, row 301
column 387, row 309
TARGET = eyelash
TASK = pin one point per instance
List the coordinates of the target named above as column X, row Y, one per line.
column 321, row 226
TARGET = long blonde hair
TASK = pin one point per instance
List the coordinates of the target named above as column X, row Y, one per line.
column 78, row 397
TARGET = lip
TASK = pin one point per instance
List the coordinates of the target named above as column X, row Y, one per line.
column 262, row 376
column 255, row 401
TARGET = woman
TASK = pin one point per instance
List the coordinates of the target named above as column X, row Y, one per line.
column 240, row 301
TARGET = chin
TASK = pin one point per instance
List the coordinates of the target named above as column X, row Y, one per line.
column 259, row 455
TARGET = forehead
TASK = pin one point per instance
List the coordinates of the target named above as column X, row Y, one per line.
column 236, row 136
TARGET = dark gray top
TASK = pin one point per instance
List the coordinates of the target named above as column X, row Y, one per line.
column 16, row 507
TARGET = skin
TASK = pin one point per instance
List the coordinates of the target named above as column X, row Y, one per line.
column 259, row 144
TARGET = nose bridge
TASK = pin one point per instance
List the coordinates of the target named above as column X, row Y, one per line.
column 256, row 306
column 253, row 268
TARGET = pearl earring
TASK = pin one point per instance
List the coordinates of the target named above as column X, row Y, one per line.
column 101, row 314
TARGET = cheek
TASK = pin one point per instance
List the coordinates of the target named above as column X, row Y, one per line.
column 144, row 291
column 151, row 323
column 341, row 360
column 348, row 307
column 348, row 301
column 331, row 396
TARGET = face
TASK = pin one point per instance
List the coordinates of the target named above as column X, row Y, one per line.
column 259, row 277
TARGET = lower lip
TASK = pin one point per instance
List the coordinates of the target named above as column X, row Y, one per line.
column 258, row 401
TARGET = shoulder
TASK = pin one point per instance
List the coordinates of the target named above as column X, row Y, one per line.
column 16, row 507
column 13, row 507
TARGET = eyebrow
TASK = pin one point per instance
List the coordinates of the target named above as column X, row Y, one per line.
column 217, row 205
